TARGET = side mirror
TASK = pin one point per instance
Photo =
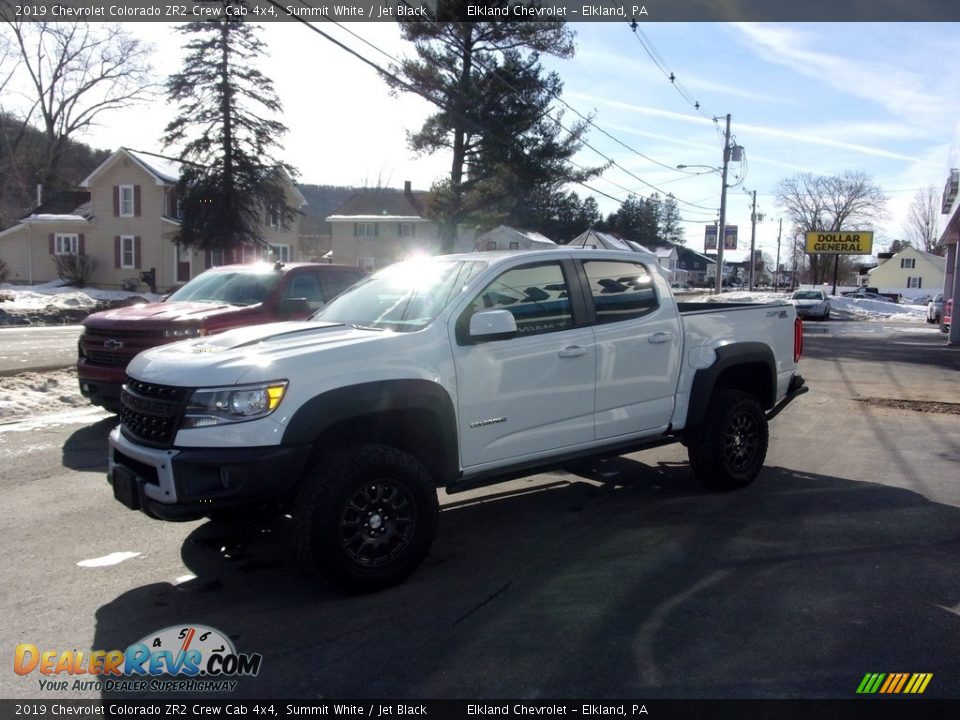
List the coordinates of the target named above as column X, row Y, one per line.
column 493, row 325
column 294, row 306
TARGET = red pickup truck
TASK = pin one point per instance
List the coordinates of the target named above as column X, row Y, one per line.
column 219, row 299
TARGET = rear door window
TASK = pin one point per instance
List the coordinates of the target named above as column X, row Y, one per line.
column 620, row 290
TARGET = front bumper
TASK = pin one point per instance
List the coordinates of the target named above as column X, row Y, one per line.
column 185, row 484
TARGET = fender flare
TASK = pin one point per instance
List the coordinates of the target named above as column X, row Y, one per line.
column 364, row 400
column 731, row 356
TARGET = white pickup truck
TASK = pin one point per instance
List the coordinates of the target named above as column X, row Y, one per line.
column 450, row 372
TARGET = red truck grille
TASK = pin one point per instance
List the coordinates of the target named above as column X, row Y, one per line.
column 106, row 357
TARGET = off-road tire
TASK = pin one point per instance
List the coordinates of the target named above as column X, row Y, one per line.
column 728, row 449
column 365, row 517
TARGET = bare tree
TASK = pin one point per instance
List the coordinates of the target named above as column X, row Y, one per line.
column 922, row 223
column 850, row 201
column 75, row 72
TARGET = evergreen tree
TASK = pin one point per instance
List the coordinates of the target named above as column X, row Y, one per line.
column 231, row 181
column 671, row 228
column 493, row 98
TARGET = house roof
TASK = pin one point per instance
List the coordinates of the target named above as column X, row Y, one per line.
column 506, row 232
column 381, row 203
column 72, row 204
column 682, row 250
column 607, row 241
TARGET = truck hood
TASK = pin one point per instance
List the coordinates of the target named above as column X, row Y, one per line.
column 160, row 313
column 247, row 354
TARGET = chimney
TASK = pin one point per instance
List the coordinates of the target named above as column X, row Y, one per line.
column 407, row 188
column 39, row 195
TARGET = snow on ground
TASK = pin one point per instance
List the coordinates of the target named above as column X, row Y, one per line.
column 57, row 295
column 28, row 394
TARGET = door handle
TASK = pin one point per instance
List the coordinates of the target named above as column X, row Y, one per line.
column 573, row 351
column 661, row 337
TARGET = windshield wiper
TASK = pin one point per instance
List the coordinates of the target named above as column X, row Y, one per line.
column 357, row 326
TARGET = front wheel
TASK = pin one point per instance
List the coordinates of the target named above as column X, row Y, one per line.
column 366, row 517
column 728, row 449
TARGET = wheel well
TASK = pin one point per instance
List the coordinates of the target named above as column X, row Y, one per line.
column 752, row 377
column 414, row 430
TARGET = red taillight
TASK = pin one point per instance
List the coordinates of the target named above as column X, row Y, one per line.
column 797, row 339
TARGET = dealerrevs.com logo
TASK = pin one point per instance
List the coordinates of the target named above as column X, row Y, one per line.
column 181, row 658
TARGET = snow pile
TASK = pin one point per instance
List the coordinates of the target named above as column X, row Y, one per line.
column 29, row 394
column 55, row 303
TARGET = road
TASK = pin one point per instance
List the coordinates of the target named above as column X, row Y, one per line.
column 37, row 348
column 627, row 580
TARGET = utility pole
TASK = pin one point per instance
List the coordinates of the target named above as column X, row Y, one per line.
column 776, row 267
column 722, row 229
column 753, row 237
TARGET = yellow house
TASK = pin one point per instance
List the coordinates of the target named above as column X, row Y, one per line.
column 125, row 220
column 909, row 269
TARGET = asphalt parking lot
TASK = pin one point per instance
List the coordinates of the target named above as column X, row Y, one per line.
column 624, row 580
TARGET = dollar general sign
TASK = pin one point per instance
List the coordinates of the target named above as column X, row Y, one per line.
column 850, row 242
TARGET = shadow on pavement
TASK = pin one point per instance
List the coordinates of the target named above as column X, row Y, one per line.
column 635, row 585
column 86, row 449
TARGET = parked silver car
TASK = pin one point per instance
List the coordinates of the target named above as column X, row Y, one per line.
column 935, row 308
column 812, row 304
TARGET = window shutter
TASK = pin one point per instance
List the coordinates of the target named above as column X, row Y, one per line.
column 116, row 251
column 80, row 244
column 413, row 229
column 136, row 252
column 136, row 201
column 356, row 229
column 53, row 248
column 207, row 260
column 376, row 229
column 116, row 201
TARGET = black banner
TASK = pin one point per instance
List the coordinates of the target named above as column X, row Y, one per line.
column 482, row 10
column 875, row 709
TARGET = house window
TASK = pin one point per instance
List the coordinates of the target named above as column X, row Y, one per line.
column 127, row 251
column 914, row 282
column 365, row 229
column 491, row 245
column 514, row 245
column 216, row 257
column 908, row 263
column 682, row 264
column 274, row 216
column 126, row 201
column 66, row 244
column 282, row 252
column 405, row 230
column 178, row 209
column 365, row 263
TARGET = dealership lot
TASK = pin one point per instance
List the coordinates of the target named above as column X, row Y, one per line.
column 625, row 579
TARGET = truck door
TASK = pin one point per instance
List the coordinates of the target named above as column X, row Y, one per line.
column 638, row 348
column 532, row 392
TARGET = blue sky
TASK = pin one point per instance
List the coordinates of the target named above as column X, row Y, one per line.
column 881, row 98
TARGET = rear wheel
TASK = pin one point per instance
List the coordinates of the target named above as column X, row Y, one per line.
column 366, row 517
column 728, row 449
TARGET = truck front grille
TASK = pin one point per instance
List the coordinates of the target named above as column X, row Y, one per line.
column 151, row 413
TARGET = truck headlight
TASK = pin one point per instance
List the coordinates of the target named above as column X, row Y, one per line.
column 218, row 406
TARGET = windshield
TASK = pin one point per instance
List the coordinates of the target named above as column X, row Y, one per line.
column 808, row 295
column 239, row 287
column 405, row 297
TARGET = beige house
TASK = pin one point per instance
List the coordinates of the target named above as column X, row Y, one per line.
column 125, row 220
column 379, row 226
column 909, row 270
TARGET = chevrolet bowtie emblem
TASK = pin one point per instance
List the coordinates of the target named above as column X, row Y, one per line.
column 112, row 344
